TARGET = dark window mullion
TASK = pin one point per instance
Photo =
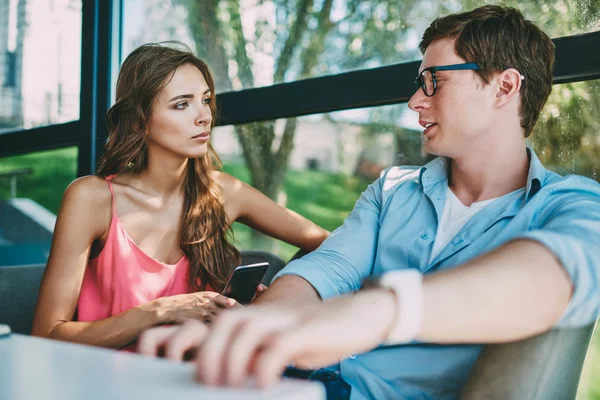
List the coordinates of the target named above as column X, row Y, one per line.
column 95, row 81
column 379, row 86
column 365, row 88
column 38, row 139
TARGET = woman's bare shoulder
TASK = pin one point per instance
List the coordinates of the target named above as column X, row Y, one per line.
column 86, row 203
column 91, row 190
column 228, row 184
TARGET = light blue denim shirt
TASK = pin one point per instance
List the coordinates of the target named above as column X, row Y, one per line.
column 393, row 226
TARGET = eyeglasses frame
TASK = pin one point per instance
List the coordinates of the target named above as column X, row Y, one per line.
column 420, row 84
column 453, row 67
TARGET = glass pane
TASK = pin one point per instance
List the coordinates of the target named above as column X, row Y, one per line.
column 589, row 387
column 567, row 140
column 334, row 157
column 351, row 147
column 567, row 136
column 253, row 43
column 40, row 63
column 31, row 188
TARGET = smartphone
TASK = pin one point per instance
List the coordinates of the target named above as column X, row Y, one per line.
column 242, row 284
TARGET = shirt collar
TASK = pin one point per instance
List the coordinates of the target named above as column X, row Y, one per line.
column 536, row 175
column 434, row 171
column 437, row 170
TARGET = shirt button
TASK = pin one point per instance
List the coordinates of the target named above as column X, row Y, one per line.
column 425, row 236
column 352, row 356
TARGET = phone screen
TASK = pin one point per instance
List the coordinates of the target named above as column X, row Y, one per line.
column 244, row 280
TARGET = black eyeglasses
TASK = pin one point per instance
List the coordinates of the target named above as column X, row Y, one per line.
column 427, row 81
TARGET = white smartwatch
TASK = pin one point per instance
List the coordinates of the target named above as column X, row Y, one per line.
column 407, row 285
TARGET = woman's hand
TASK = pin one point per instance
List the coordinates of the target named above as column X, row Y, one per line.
column 260, row 289
column 201, row 306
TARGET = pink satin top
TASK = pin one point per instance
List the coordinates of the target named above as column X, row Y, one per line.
column 123, row 276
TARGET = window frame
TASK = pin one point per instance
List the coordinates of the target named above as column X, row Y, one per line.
column 100, row 55
column 97, row 29
column 371, row 87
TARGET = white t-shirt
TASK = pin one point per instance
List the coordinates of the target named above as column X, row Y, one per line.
column 454, row 217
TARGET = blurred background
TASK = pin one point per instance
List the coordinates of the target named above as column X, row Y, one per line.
column 312, row 93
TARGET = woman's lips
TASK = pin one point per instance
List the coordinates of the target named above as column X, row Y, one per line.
column 202, row 137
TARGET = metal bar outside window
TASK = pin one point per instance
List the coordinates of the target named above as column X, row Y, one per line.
column 356, row 89
column 378, row 86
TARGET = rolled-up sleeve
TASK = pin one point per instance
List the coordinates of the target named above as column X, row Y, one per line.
column 346, row 257
column 568, row 225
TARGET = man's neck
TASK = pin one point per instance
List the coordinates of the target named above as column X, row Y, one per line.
column 489, row 173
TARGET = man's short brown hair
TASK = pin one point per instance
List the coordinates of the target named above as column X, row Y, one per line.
column 497, row 38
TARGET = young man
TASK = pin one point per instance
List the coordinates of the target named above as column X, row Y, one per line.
column 481, row 245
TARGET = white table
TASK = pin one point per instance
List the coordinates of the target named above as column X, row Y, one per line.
column 35, row 368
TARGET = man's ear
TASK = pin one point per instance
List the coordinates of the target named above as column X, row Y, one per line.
column 509, row 84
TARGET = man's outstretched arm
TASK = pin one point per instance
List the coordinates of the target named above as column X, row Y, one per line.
column 545, row 277
column 517, row 291
column 514, row 292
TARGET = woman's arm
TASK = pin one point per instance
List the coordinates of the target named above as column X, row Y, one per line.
column 122, row 329
column 78, row 225
column 247, row 205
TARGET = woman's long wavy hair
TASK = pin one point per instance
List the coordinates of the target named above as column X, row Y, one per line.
column 204, row 226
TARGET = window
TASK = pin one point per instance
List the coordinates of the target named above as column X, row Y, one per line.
column 567, row 140
column 40, row 62
column 567, row 136
column 252, row 43
column 333, row 158
column 338, row 154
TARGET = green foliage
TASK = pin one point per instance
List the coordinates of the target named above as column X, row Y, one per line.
column 555, row 17
column 52, row 172
column 567, row 136
column 589, row 386
column 321, row 197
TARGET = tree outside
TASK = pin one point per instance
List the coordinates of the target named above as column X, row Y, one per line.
column 252, row 43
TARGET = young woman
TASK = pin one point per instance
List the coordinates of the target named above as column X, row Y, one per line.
column 144, row 242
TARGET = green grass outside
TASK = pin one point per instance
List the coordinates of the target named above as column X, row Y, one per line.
column 52, row 171
column 324, row 198
column 589, row 386
column 321, row 197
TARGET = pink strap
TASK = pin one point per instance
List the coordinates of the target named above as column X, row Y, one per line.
column 112, row 193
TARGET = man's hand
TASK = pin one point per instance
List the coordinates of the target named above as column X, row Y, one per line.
column 262, row 340
column 174, row 340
